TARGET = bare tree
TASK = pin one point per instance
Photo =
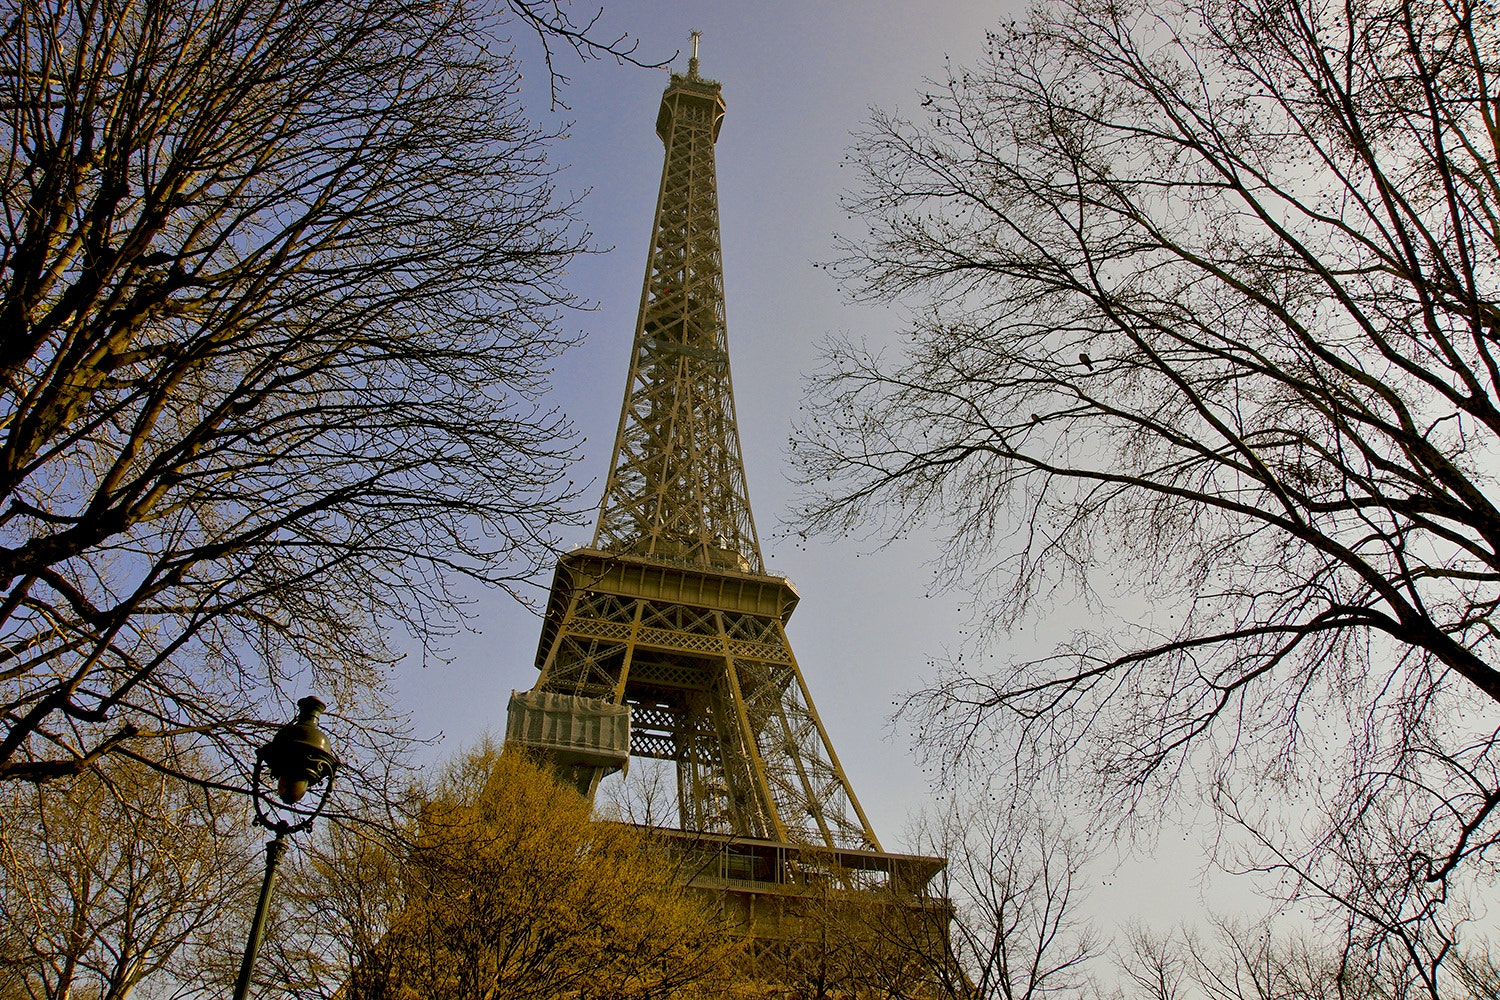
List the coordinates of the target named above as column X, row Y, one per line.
column 114, row 879
column 1480, row 975
column 1383, row 916
column 279, row 293
column 1151, row 967
column 1237, row 960
column 555, row 24
column 1004, row 921
column 1016, row 878
column 1204, row 312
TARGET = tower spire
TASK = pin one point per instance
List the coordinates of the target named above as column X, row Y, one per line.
column 676, row 489
column 693, row 59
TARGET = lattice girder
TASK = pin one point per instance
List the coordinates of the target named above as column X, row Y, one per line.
column 671, row 613
column 676, row 489
column 702, row 658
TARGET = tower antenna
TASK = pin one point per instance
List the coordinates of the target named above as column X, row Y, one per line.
column 695, row 34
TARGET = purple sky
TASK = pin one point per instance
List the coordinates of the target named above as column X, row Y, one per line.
column 798, row 78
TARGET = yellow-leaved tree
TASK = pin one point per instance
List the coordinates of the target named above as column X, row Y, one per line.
column 505, row 885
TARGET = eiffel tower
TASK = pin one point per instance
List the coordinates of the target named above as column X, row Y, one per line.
column 666, row 637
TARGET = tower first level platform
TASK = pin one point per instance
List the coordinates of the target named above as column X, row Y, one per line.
column 701, row 659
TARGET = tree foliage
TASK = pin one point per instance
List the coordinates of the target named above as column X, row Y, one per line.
column 116, row 881
column 1204, row 316
column 506, row 886
column 279, row 292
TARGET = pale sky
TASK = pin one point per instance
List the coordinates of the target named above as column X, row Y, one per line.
column 797, row 78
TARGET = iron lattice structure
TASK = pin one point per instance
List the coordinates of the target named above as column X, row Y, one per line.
column 670, row 611
column 676, row 489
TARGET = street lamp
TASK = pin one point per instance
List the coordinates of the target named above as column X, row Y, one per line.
column 297, row 758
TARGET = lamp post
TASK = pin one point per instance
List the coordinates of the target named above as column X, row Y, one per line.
column 297, row 758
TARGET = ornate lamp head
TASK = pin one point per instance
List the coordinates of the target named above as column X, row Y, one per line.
column 298, row 757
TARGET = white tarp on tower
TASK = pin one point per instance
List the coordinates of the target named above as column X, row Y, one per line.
column 570, row 729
